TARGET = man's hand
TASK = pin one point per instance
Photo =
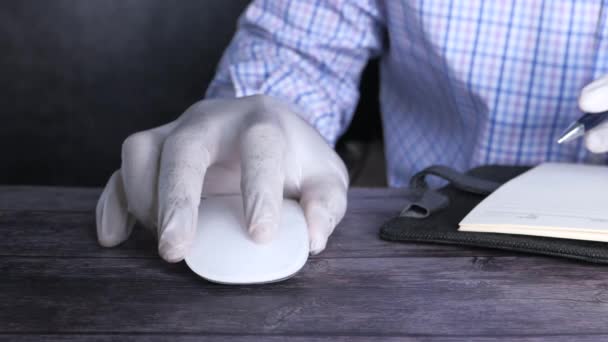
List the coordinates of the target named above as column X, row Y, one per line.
column 254, row 145
column 594, row 99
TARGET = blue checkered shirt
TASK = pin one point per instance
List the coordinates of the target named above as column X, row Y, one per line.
column 463, row 82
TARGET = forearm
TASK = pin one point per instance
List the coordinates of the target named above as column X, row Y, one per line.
column 313, row 62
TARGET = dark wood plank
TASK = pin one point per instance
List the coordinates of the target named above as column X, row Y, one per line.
column 197, row 338
column 64, row 234
column 61, row 222
column 43, row 233
column 291, row 338
column 48, row 198
column 459, row 296
column 84, row 199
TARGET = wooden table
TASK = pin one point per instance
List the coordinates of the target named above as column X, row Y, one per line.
column 58, row 284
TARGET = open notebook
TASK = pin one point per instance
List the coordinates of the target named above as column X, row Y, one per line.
column 555, row 200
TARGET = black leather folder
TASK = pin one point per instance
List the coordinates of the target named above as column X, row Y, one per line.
column 433, row 215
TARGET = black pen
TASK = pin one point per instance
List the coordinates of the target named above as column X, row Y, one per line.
column 582, row 125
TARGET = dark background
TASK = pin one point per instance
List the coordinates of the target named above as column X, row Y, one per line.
column 77, row 77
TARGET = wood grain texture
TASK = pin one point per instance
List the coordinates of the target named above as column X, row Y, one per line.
column 291, row 338
column 48, row 198
column 58, row 285
column 55, row 222
column 392, row 296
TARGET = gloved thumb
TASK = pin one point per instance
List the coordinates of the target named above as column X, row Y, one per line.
column 114, row 223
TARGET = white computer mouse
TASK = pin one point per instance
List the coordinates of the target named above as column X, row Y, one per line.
column 223, row 252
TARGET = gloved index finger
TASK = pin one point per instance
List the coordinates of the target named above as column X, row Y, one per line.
column 140, row 166
column 184, row 162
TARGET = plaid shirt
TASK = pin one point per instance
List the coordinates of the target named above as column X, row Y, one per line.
column 463, row 83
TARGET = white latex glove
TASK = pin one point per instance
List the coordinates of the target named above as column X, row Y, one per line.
column 594, row 99
column 253, row 145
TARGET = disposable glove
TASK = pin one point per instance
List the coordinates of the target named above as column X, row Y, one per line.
column 254, row 145
column 594, row 99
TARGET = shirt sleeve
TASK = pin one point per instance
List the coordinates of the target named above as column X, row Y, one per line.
column 308, row 53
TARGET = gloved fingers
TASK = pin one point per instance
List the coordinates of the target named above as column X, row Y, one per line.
column 324, row 203
column 594, row 96
column 140, row 167
column 596, row 140
column 184, row 162
column 114, row 223
column 262, row 177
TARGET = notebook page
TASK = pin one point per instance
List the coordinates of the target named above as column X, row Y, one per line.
column 549, row 196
